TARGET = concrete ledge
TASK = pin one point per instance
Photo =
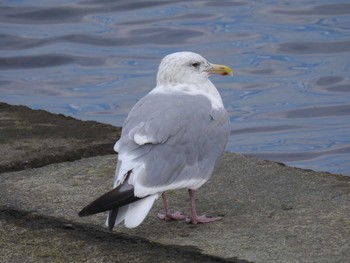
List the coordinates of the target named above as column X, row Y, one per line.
column 33, row 138
column 272, row 213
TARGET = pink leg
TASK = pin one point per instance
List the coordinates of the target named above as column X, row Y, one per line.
column 167, row 216
column 198, row 219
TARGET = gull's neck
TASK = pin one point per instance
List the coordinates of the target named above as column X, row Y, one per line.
column 206, row 89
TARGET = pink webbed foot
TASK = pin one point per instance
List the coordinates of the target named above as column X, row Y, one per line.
column 167, row 216
column 194, row 219
column 174, row 216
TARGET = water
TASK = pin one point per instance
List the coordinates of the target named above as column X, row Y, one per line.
column 289, row 99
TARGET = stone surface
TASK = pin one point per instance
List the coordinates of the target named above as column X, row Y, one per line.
column 33, row 138
column 272, row 213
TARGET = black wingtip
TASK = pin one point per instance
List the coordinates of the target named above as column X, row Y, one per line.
column 82, row 212
column 117, row 197
column 92, row 208
column 112, row 216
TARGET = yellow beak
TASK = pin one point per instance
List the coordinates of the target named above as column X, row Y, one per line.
column 221, row 69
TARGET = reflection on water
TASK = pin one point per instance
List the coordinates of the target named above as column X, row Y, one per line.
column 288, row 101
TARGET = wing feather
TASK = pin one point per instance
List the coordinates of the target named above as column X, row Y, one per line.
column 172, row 141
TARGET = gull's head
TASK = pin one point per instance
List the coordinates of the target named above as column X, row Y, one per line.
column 187, row 68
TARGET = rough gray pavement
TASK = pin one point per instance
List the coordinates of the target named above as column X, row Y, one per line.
column 272, row 213
column 33, row 138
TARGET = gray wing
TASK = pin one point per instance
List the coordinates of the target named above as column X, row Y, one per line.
column 176, row 137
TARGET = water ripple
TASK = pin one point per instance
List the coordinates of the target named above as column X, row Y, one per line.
column 93, row 59
column 320, row 112
column 301, row 48
column 330, row 9
column 43, row 61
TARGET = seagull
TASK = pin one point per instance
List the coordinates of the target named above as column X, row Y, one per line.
column 171, row 139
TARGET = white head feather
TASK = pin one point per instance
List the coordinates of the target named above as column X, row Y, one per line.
column 183, row 68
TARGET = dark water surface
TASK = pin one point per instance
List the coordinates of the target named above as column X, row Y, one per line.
column 289, row 99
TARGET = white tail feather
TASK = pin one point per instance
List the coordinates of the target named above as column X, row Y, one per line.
column 138, row 211
column 134, row 213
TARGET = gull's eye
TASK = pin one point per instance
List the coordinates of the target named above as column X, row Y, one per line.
column 195, row 64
